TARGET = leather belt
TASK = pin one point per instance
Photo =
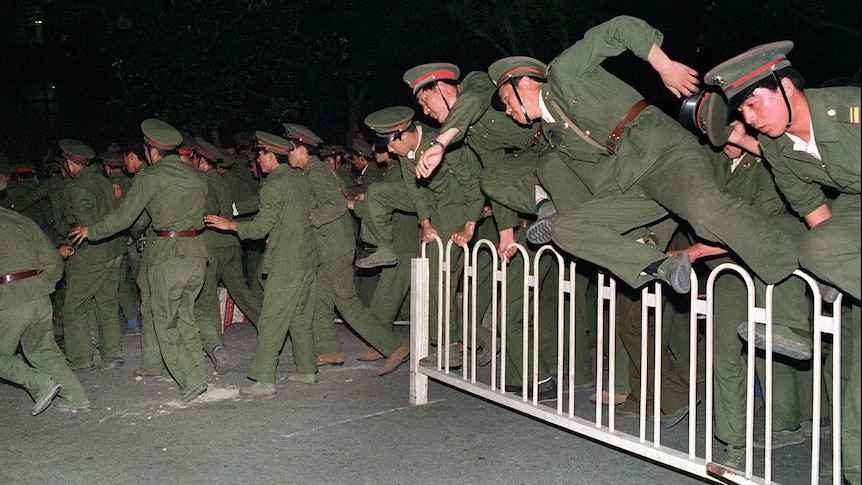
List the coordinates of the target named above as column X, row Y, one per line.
column 18, row 276
column 195, row 232
column 614, row 137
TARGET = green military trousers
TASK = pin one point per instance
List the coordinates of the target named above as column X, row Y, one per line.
column 173, row 287
column 91, row 292
column 336, row 289
column 285, row 310
column 30, row 325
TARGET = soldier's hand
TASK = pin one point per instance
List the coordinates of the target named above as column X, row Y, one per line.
column 79, row 233
column 65, row 251
column 430, row 159
column 118, row 191
column 219, row 222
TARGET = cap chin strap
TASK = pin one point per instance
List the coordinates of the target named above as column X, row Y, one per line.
column 437, row 85
column 527, row 120
column 786, row 101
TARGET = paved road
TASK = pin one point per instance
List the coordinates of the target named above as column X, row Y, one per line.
column 352, row 428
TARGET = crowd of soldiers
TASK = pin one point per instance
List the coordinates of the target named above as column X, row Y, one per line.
column 523, row 155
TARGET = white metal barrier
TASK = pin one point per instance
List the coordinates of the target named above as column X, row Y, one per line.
column 695, row 455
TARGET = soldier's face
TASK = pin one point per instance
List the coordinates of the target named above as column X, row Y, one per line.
column 433, row 103
column 520, row 105
column 766, row 111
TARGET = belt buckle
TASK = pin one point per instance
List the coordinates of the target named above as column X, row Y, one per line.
column 612, row 142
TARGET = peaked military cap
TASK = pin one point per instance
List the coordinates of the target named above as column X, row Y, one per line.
column 160, row 134
column 243, row 139
column 516, row 66
column 706, row 113
column 738, row 76
column 227, row 158
column 207, row 150
column 361, row 147
column 112, row 159
column 330, row 150
column 273, row 143
column 76, row 151
column 301, row 134
column 423, row 74
column 388, row 122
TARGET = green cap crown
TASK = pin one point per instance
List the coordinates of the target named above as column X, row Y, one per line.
column 112, row 159
column 273, row 143
column 207, row 150
column 390, row 120
column 76, row 151
column 516, row 66
column 227, row 158
column 738, row 76
column 423, row 74
column 361, row 147
column 160, row 134
column 301, row 134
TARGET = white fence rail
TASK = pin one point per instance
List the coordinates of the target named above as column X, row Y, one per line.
column 692, row 454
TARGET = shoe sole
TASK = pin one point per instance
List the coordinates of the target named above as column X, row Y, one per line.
column 679, row 273
column 375, row 264
column 540, row 231
column 780, row 443
column 194, row 393
column 780, row 345
column 45, row 401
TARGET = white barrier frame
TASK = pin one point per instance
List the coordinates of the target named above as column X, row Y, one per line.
column 563, row 414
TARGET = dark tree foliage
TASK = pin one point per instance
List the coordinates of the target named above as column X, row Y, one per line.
column 214, row 67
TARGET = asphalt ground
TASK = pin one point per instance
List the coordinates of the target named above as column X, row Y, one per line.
column 352, row 428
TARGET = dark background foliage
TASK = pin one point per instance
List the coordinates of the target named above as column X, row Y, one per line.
column 215, row 67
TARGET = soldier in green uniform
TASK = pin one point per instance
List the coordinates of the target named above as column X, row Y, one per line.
column 508, row 153
column 93, row 272
column 289, row 266
column 224, row 263
column 128, row 294
column 152, row 364
column 619, row 163
column 174, row 195
column 393, row 285
column 811, row 139
column 448, row 204
column 29, row 269
column 333, row 234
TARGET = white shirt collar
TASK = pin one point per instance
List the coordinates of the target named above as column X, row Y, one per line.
column 809, row 147
column 412, row 154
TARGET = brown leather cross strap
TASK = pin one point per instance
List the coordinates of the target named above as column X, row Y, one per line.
column 614, row 137
column 18, row 276
column 194, row 232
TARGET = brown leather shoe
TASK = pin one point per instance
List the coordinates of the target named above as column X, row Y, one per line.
column 330, row 359
column 395, row 360
column 618, row 398
column 370, row 355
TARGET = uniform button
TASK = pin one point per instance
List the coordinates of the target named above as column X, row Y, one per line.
column 831, row 112
column 823, row 167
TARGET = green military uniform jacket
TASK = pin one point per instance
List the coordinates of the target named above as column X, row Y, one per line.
column 219, row 203
column 174, row 194
column 457, row 175
column 333, row 227
column 91, row 198
column 800, row 176
column 32, row 252
column 285, row 199
column 596, row 100
column 492, row 136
